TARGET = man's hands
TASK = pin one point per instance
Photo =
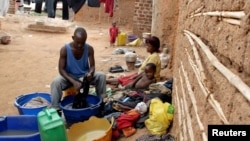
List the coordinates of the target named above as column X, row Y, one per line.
column 89, row 76
column 77, row 84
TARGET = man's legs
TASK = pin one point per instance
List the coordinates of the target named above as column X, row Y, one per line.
column 100, row 86
column 57, row 86
column 100, row 83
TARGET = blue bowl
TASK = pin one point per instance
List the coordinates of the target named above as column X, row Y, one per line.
column 23, row 99
column 19, row 128
column 131, row 38
column 79, row 115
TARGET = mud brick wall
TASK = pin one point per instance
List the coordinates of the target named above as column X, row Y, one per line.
column 12, row 9
column 142, row 17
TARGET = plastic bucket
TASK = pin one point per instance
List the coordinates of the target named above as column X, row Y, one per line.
column 94, row 129
column 23, row 99
column 130, row 57
column 145, row 35
column 19, row 128
column 121, row 39
column 131, row 38
column 79, row 115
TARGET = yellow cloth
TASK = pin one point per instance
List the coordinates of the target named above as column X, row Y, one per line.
column 152, row 58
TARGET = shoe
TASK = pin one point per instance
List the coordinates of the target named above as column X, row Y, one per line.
column 115, row 69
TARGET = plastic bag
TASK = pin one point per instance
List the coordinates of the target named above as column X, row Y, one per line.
column 160, row 117
column 136, row 42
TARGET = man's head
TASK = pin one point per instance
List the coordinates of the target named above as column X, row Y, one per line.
column 150, row 70
column 79, row 37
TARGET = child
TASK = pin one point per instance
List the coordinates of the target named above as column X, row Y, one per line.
column 143, row 80
column 113, row 33
column 153, row 45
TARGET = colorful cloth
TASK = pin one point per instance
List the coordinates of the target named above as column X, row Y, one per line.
column 124, row 80
column 125, row 123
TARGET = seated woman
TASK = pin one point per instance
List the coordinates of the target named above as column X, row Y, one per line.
column 153, row 45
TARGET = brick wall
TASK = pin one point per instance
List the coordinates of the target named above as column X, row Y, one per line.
column 142, row 17
column 134, row 13
column 12, row 9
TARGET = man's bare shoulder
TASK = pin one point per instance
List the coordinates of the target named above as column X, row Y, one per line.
column 91, row 49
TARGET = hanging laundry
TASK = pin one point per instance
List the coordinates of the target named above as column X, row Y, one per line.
column 4, row 6
column 94, row 3
column 102, row 1
column 76, row 5
column 109, row 7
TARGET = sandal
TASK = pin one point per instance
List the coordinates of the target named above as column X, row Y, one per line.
column 115, row 69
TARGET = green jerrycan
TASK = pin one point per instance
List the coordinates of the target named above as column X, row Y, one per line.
column 51, row 126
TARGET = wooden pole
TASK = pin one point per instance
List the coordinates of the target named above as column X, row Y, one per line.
column 231, row 77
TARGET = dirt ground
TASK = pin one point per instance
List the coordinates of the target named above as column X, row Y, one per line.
column 29, row 62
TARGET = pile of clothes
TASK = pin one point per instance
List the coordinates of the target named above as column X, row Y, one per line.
column 132, row 107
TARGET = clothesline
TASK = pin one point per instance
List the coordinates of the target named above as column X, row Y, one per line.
column 109, row 5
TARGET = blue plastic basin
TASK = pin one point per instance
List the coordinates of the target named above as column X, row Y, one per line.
column 23, row 99
column 131, row 38
column 19, row 128
column 79, row 115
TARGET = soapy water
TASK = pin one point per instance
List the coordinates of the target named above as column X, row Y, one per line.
column 92, row 135
column 17, row 132
column 69, row 106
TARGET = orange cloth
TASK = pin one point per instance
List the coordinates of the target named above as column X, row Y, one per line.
column 129, row 131
column 125, row 123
